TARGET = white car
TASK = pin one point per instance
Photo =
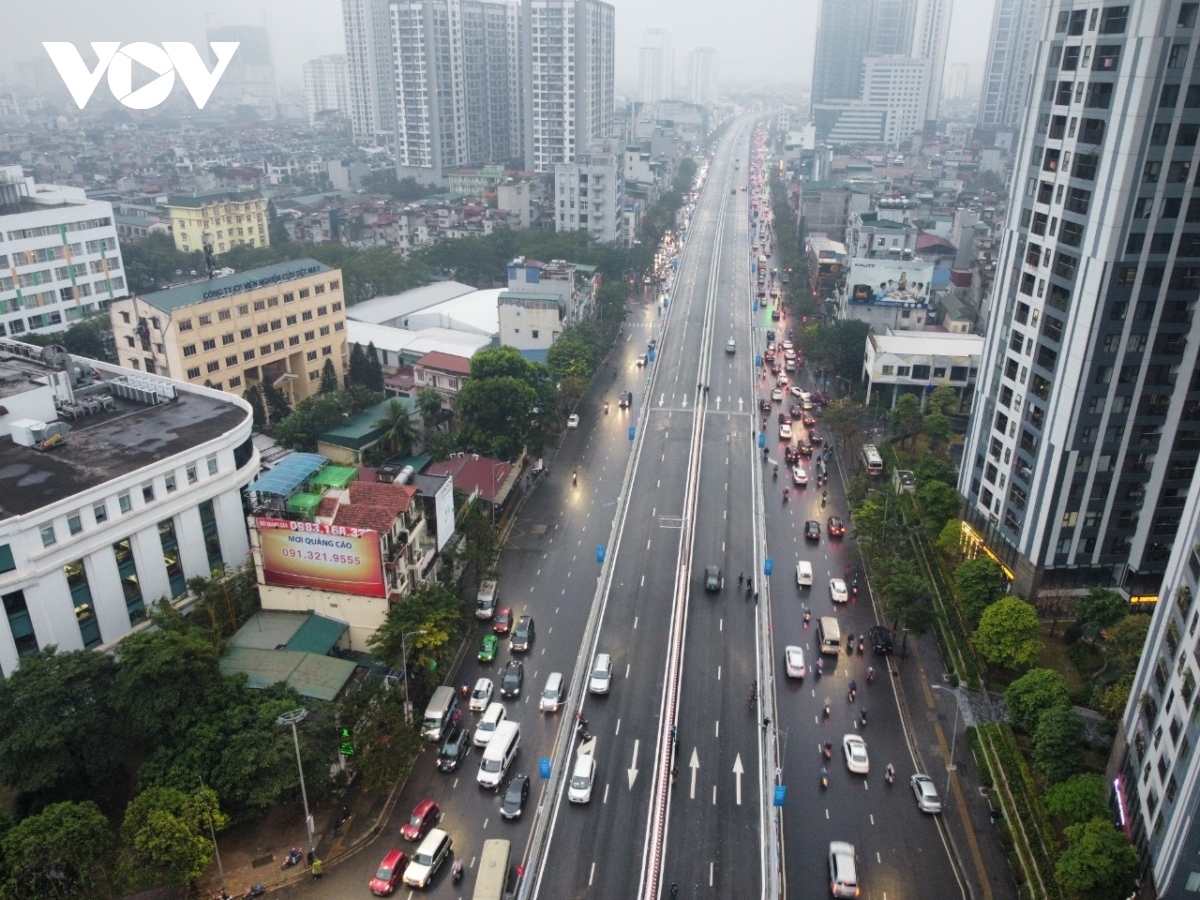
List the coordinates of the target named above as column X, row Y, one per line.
column 796, row 390
column 785, row 431
column 777, row 395
column 799, row 476
column 580, row 790
column 601, row 674
column 837, row 591
column 482, row 695
column 855, row 749
column 787, row 345
column 573, row 421
column 428, row 859
column 794, row 661
column 927, row 795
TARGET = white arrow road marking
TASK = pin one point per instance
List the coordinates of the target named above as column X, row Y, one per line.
column 633, row 770
column 738, row 771
column 741, row 401
column 694, row 765
column 662, row 398
column 718, row 404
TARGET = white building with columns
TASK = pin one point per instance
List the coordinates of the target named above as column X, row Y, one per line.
column 116, row 488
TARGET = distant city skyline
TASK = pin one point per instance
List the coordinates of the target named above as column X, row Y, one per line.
column 758, row 40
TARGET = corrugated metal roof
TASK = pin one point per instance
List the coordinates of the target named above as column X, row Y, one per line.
column 288, row 474
column 317, row 635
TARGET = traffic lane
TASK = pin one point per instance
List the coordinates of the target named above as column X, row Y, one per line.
column 715, row 801
column 626, row 721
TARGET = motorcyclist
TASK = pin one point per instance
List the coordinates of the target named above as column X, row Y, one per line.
column 775, row 474
column 853, row 688
column 466, row 687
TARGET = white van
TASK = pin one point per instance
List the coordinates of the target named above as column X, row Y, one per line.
column 442, row 706
column 804, row 573
column 552, row 693
column 829, row 635
column 487, row 599
column 492, row 717
column 498, row 756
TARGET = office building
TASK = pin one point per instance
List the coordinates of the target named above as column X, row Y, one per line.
column 221, row 220
column 1083, row 443
column 702, row 76
column 931, row 34
column 278, row 323
column 118, row 488
column 249, row 79
column 840, row 47
column 590, row 192
column 59, row 257
column 325, row 86
column 893, row 24
column 457, row 81
column 569, row 80
column 892, row 107
column 656, row 66
column 370, row 79
column 957, row 78
column 1006, row 76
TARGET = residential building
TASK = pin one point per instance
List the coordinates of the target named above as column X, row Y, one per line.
column 870, row 236
column 825, row 208
column 826, row 265
column 702, row 77
column 1084, row 441
column 221, row 220
column 531, row 322
column 370, row 76
column 589, row 194
column 1009, row 67
column 249, row 79
column 893, row 106
column 574, row 284
column 513, row 196
column 443, row 372
column 278, row 323
column 480, row 182
column 107, row 517
column 656, row 66
column 1151, row 768
column 59, row 256
column 916, row 362
column 325, row 86
column 457, row 81
column 569, row 72
column 957, row 76
column 931, row 34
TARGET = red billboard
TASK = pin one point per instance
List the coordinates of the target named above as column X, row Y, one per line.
column 322, row 557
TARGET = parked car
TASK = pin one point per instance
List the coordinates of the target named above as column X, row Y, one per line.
column 573, row 420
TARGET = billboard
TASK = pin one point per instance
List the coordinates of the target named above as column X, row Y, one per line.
column 889, row 280
column 321, row 557
column 444, row 511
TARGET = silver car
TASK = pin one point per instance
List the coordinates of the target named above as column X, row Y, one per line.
column 927, row 795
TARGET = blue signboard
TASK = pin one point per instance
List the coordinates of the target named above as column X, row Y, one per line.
column 768, row 566
column 780, row 794
column 544, row 767
column 632, row 432
column 762, row 441
column 599, row 553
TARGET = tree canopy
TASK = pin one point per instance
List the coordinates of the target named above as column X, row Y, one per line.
column 979, row 583
column 1098, row 864
column 1080, row 798
column 507, row 403
column 1008, row 633
column 1032, row 694
column 1101, row 607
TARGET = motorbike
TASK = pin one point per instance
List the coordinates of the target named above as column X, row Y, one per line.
column 786, row 492
column 850, row 643
column 854, row 588
column 862, row 717
column 827, row 707
column 807, row 618
column 456, row 873
column 824, row 777
column 606, row 407
column 293, row 858
column 775, row 473
column 574, row 478
column 870, row 675
column 889, row 774
column 828, row 750
column 820, row 667
column 861, row 645
column 465, row 690
column 853, row 695
column 256, row 890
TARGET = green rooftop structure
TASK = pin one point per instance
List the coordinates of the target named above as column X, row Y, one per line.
column 346, row 443
column 212, row 288
column 303, row 504
column 335, row 477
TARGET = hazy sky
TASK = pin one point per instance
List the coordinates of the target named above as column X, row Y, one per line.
column 769, row 40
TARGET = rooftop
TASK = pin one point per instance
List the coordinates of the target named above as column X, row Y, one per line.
column 445, row 362
column 208, row 289
column 108, row 445
column 383, row 310
column 198, row 200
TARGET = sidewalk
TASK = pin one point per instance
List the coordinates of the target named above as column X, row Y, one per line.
column 253, row 853
column 936, row 716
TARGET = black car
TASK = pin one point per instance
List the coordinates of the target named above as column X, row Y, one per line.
column 836, row 527
column 881, row 640
column 455, row 749
column 812, row 530
column 522, row 635
column 515, row 796
column 792, row 454
column 512, row 678
column 713, row 579
column 626, row 399
column 764, row 405
column 806, row 448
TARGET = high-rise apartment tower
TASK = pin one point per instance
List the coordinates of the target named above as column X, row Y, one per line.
column 1010, row 54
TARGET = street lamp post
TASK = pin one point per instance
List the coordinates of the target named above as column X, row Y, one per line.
column 950, row 766
column 404, row 661
column 213, row 831
column 293, row 718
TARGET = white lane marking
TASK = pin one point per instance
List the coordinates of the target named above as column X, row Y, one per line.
column 738, row 771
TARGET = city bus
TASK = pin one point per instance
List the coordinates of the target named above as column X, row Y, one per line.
column 872, row 461
column 493, row 871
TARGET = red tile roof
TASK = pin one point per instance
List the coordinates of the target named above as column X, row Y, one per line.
column 356, row 515
column 473, row 473
column 445, row 362
column 394, row 496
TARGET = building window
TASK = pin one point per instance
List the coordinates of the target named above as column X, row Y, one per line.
column 74, row 524
column 100, row 512
column 304, row 292
column 7, row 563
column 224, row 315
column 260, row 305
column 319, row 288
column 170, row 551
column 170, row 483
column 189, row 350
column 324, row 331
column 81, row 598
column 235, row 381
column 48, row 538
column 212, row 465
column 288, row 297
column 212, row 541
column 334, row 285
column 306, row 315
column 193, row 372
column 294, row 341
column 147, row 493
column 291, row 320
column 248, row 355
column 19, row 623
column 185, row 324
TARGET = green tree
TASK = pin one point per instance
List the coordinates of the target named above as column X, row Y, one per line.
column 313, row 416
column 1114, row 698
column 838, row 347
column 905, row 601
column 61, row 852
column 168, row 830
column 949, row 541
column 1008, row 633
column 254, row 397
column 1101, row 607
column 937, row 430
column 939, row 504
column 358, row 365
column 386, row 746
column 59, row 738
column 943, row 399
column 1032, row 694
column 979, row 583
column 506, row 404
column 429, row 405
column 373, row 368
column 431, row 609
column 572, row 360
column 1057, row 744
column 905, row 418
column 843, row 420
column 154, row 263
column 1098, row 864
column 1080, row 798
column 480, row 549
column 329, row 381
column 91, row 337
column 399, row 433
column 278, row 407
column 162, row 680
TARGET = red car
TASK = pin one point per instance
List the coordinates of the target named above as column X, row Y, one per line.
column 502, row 621
column 422, row 819
column 836, row 527
column 809, row 420
column 387, row 878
